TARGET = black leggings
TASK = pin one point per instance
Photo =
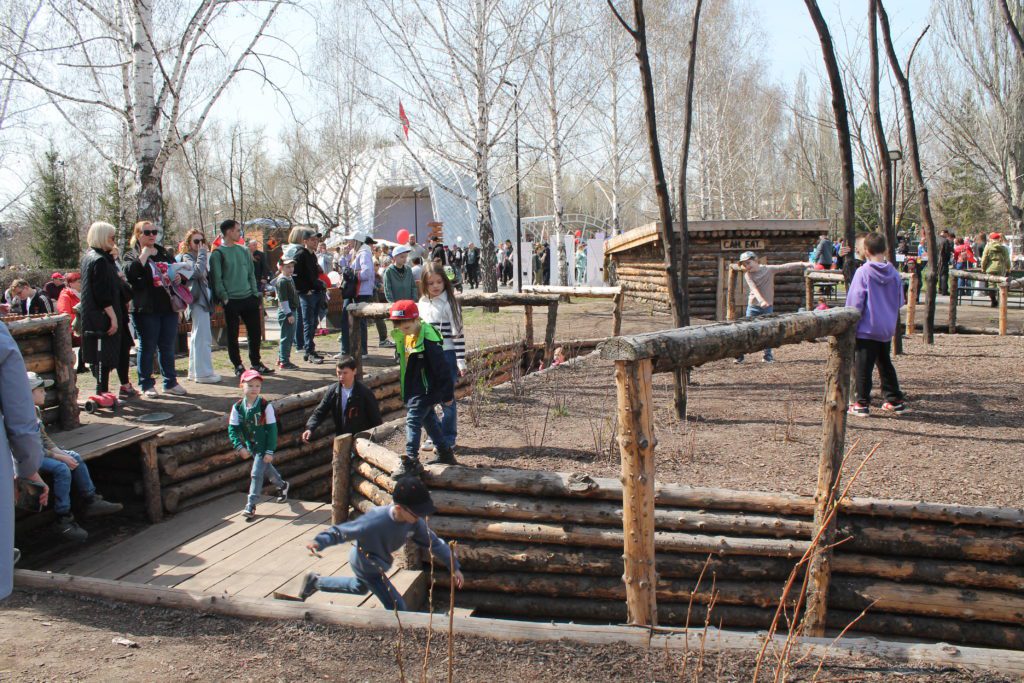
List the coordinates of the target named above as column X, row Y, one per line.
column 101, row 371
column 869, row 355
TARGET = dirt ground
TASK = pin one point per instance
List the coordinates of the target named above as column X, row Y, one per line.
column 758, row 425
column 54, row 637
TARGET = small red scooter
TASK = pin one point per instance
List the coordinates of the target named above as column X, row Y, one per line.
column 105, row 400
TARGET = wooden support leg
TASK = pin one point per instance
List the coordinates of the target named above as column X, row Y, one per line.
column 549, row 333
column 915, row 283
column 730, row 295
column 355, row 344
column 341, row 463
column 151, row 481
column 617, row 314
column 528, row 312
column 833, row 444
column 953, row 295
column 64, row 361
column 808, row 294
column 1004, row 295
column 636, row 448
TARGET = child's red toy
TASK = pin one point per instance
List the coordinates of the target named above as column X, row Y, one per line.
column 104, row 400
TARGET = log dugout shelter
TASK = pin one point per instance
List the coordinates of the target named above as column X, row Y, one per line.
column 639, row 267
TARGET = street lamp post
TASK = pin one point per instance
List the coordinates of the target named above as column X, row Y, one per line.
column 519, row 221
column 895, row 156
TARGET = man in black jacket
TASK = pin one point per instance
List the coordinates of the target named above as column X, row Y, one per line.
column 351, row 404
column 310, row 288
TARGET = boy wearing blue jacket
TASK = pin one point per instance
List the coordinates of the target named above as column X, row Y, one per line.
column 377, row 535
column 877, row 292
column 426, row 381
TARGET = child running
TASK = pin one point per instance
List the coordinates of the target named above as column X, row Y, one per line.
column 439, row 307
column 288, row 304
column 377, row 535
column 426, row 380
column 252, row 429
column 877, row 292
column 760, row 279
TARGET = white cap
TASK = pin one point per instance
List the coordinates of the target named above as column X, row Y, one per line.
column 360, row 236
column 748, row 256
column 401, row 249
column 35, row 380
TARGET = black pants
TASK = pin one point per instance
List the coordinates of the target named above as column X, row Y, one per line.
column 869, row 355
column 101, row 371
column 473, row 275
column 248, row 310
column 944, row 279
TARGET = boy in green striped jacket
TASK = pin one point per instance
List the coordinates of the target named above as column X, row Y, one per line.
column 252, row 429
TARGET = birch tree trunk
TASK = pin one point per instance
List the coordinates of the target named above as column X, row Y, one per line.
column 146, row 116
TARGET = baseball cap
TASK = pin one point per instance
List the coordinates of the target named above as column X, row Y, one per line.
column 248, row 376
column 748, row 256
column 57, row 276
column 412, row 494
column 995, row 236
column 401, row 249
column 73, row 277
column 34, row 380
column 405, row 309
column 361, row 237
column 288, row 259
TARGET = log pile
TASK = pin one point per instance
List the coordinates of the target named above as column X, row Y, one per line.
column 548, row 545
column 198, row 463
column 45, row 344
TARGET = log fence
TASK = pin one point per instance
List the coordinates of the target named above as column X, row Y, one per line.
column 45, row 344
column 613, row 293
column 1001, row 283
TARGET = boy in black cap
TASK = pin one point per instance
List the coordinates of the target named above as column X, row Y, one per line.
column 378, row 534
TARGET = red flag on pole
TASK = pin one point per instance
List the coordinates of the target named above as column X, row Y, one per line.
column 404, row 119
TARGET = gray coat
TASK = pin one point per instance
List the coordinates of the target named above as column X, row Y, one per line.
column 21, row 449
column 199, row 283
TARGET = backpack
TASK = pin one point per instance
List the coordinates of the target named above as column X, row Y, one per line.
column 349, row 283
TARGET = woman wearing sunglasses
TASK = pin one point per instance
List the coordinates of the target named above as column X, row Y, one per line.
column 147, row 267
column 194, row 251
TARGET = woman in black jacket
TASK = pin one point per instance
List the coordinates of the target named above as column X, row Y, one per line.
column 147, row 265
column 106, row 342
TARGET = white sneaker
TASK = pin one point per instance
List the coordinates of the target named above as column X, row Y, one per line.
column 209, row 379
column 176, row 390
column 427, row 445
column 150, row 393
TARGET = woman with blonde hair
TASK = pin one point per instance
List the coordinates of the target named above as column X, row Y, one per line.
column 193, row 251
column 106, row 343
column 147, row 267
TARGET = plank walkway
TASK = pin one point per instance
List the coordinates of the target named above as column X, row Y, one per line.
column 96, row 439
column 213, row 549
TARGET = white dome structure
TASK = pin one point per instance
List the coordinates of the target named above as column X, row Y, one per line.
column 391, row 190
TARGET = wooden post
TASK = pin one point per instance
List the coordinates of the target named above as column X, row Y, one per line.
column 954, row 294
column 64, row 362
column 808, row 293
column 151, row 481
column 617, row 313
column 915, row 283
column 1004, row 294
column 730, row 293
column 528, row 312
column 340, row 464
column 636, row 448
column 355, row 344
column 549, row 332
column 833, row 444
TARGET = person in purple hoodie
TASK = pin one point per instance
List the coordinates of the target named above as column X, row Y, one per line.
column 877, row 292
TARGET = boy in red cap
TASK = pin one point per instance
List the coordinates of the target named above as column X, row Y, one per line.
column 252, row 429
column 53, row 288
column 426, row 381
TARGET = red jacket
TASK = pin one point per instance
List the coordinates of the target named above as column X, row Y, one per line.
column 963, row 253
column 66, row 303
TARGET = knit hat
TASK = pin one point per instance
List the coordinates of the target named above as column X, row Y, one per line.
column 248, row 376
column 412, row 494
column 405, row 309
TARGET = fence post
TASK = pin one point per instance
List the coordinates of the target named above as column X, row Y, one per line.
column 636, row 449
column 355, row 343
column 954, row 294
column 549, row 332
column 808, row 292
column 1004, row 296
column 341, row 463
column 730, row 293
column 617, row 313
column 833, row 444
column 528, row 312
column 915, row 283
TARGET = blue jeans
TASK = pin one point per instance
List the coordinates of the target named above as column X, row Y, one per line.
column 158, row 333
column 260, row 470
column 419, row 416
column 64, row 478
column 360, row 584
column 449, row 417
column 753, row 312
column 360, row 324
column 284, row 348
column 310, row 304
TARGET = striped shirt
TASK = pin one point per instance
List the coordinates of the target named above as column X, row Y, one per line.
column 438, row 312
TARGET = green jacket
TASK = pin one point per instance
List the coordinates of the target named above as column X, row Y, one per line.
column 399, row 284
column 231, row 273
column 996, row 259
column 424, row 370
column 253, row 428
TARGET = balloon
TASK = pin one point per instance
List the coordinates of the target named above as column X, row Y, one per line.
column 402, row 237
column 579, row 234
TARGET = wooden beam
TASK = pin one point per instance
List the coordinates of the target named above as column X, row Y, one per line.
column 730, row 292
column 808, row 294
column 636, row 448
column 691, row 346
column 954, row 294
column 1004, row 295
column 355, row 342
column 582, row 292
column 617, row 313
column 979, row 277
column 341, row 463
column 549, row 332
column 833, row 445
column 151, row 481
column 915, row 285
column 528, row 324
column 64, row 368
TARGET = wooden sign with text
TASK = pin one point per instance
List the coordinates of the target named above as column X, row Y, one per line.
column 742, row 245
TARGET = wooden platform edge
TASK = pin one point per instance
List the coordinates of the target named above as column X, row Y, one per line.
column 927, row 654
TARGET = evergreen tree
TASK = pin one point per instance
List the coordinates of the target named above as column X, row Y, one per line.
column 866, row 209
column 966, row 202
column 52, row 217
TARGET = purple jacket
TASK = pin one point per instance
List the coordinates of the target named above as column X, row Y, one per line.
column 877, row 292
column 362, row 264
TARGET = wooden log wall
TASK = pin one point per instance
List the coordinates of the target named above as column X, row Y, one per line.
column 549, row 545
column 45, row 344
column 641, row 273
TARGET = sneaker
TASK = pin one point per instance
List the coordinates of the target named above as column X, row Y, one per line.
column 282, row 493
column 310, row 585
column 127, row 391
column 249, row 512
column 387, row 344
column 67, row 528
column 17, row 557
column 407, row 467
column 897, row 408
column 97, row 507
column 858, row 410
column 313, row 358
column 444, row 456
column 738, row 360
column 286, row 365
column 209, row 379
column 768, row 360
column 176, row 390
column 427, row 445
column 263, row 369
column 239, row 369
column 150, row 393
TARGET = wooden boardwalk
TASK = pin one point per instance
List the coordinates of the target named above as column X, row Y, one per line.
column 213, row 549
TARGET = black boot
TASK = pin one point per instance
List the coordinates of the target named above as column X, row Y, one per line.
column 443, row 456
column 67, row 528
column 407, row 467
